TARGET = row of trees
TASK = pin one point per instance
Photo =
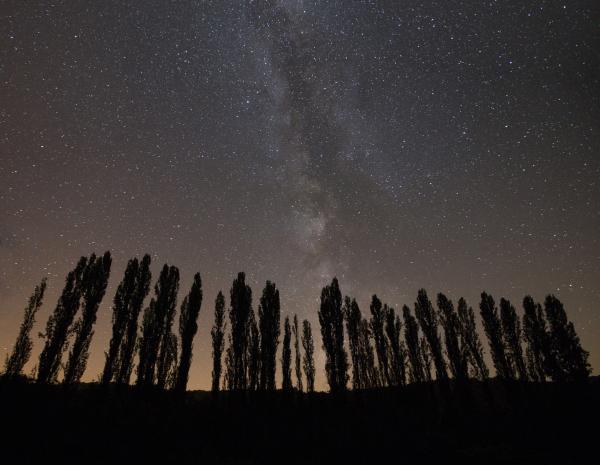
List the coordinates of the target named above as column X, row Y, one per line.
column 385, row 349
column 445, row 342
column 250, row 357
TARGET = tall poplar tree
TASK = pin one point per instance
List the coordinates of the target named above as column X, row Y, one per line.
column 298, row 354
column 331, row 319
column 471, row 341
column 120, row 317
column 188, row 326
column 218, row 340
column 21, row 352
column 253, row 357
column 413, row 347
column 308, row 361
column 511, row 331
column 452, row 336
column 378, row 316
column 534, row 332
column 429, row 325
column 353, row 319
column 493, row 330
column 156, row 345
column 397, row 352
column 167, row 354
column 59, row 324
column 286, row 357
column 566, row 360
column 93, row 288
column 269, row 315
column 370, row 377
column 130, row 342
column 239, row 313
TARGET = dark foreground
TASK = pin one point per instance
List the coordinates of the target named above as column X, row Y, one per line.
column 477, row 424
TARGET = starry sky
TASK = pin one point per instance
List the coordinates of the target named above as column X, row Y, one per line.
column 451, row 145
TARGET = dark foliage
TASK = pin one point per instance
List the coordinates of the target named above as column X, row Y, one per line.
column 130, row 342
column 239, row 313
column 428, row 321
column 534, row 332
column 378, row 317
column 413, row 347
column 286, row 357
column 566, row 360
column 298, row 354
column 218, row 340
column 455, row 348
column 396, row 349
column 253, row 355
column 511, row 330
column 353, row 320
column 426, row 355
column 493, row 330
column 93, row 288
column 156, row 349
column 167, row 355
column 269, row 315
column 188, row 326
column 370, row 374
column 471, row 342
column 58, row 325
column 308, row 362
column 21, row 352
column 120, row 316
column 331, row 319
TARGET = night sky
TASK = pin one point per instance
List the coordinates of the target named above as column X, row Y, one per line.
column 396, row 145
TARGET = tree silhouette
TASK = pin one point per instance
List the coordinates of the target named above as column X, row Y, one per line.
column 493, row 330
column 378, row 316
column 534, row 332
column 228, row 379
column 156, row 345
column 286, row 357
column 167, row 355
column 370, row 377
column 470, row 338
column 188, row 326
column 426, row 354
column 452, row 336
column 331, row 319
column 58, row 325
column 309, row 350
column 567, row 361
column 429, row 324
column 120, row 317
column 413, row 347
column 218, row 340
column 397, row 351
column 94, row 282
column 298, row 354
column 130, row 342
column 253, row 358
column 511, row 330
column 353, row 320
column 241, row 304
column 21, row 352
column 269, row 315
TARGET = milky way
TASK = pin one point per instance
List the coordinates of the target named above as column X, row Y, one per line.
column 396, row 145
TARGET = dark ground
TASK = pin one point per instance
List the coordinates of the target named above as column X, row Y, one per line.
column 478, row 424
